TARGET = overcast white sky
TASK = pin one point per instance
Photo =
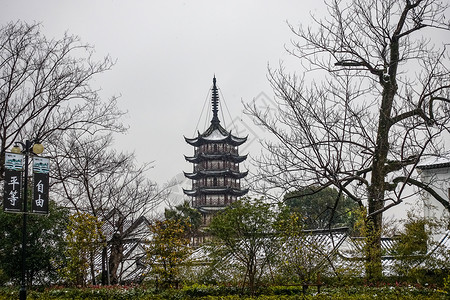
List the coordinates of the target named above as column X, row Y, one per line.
column 167, row 53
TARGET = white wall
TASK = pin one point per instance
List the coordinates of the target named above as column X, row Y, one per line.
column 439, row 180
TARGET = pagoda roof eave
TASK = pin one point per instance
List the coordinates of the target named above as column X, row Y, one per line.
column 215, row 191
column 206, row 156
column 216, row 134
column 215, row 173
column 190, row 192
column 231, row 140
column 208, row 209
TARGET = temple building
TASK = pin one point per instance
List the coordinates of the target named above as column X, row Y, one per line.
column 216, row 179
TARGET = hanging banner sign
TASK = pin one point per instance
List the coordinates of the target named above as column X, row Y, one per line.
column 39, row 203
column 12, row 200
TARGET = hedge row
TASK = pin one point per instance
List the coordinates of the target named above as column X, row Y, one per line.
column 229, row 293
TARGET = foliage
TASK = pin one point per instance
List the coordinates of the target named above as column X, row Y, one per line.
column 368, row 238
column 46, row 95
column 322, row 207
column 243, row 235
column 44, row 250
column 91, row 176
column 201, row 290
column 297, row 259
column 395, row 291
column 411, row 246
column 84, row 241
column 92, row 292
column 190, row 217
column 446, row 288
column 168, row 250
column 414, row 239
column 379, row 105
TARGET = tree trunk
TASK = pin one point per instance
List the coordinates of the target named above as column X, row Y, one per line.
column 377, row 186
column 374, row 220
column 94, row 282
column 373, row 263
column 115, row 258
column 104, row 271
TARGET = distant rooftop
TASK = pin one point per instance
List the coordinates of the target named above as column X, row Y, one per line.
column 435, row 162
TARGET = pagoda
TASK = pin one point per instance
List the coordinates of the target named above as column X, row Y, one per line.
column 216, row 176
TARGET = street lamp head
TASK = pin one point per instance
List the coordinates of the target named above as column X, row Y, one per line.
column 16, row 149
column 38, row 148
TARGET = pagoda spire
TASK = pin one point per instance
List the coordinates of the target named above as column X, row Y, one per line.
column 215, row 103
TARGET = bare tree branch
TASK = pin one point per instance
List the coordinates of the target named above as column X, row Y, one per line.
column 381, row 103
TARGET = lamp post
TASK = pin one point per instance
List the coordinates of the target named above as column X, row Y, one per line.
column 27, row 147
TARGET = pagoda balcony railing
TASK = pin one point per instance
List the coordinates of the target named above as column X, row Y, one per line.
column 215, row 166
column 201, row 184
column 206, row 200
column 216, row 151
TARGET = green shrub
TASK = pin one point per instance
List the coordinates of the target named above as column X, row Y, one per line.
column 205, row 292
column 201, row 290
column 285, row 290
column 446, row 288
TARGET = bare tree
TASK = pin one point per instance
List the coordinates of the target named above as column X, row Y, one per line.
column 382, row 103
column 45, row 87
column 94, row 178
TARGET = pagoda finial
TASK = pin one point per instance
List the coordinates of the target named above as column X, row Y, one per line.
column 215, row 102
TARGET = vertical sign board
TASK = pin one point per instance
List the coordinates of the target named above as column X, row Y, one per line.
column 39, row 205
column 12, row 200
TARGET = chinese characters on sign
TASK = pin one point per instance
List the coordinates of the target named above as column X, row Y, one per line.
column 13, row 196
column 39, row 203
column 12, row 200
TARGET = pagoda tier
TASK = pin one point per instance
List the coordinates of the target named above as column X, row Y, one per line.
column 216, row 191
column 215, row 136
column 201, row 157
